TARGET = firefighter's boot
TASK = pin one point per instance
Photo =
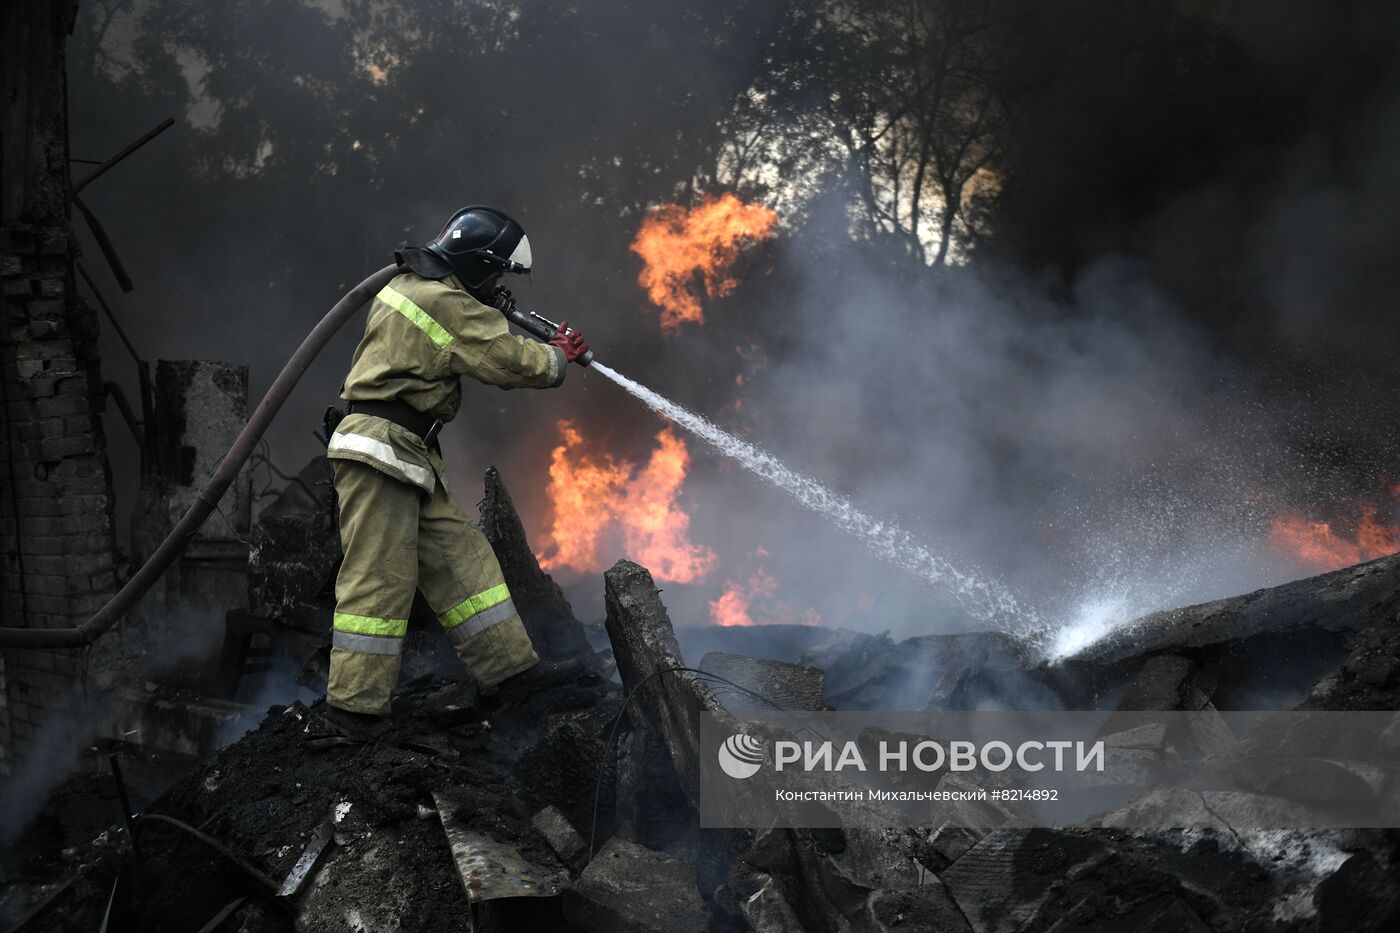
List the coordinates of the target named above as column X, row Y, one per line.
column 542, row 676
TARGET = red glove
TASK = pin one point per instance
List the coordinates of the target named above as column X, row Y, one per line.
column 570, row 341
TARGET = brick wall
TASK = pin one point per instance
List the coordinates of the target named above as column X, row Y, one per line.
column 56, row 536
column 6, row 739
column 57, row 548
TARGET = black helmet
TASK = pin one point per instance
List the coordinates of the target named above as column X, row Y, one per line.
column 477, row 243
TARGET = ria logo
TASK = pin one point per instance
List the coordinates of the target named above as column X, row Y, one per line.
column 741, row 756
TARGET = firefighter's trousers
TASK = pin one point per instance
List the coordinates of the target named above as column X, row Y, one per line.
column 397, row 540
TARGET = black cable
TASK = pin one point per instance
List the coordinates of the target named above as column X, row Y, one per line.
column 218, row 919
column 272, row 468
column 612, row 733
column 261, row 453
column 212, row 843
column 264, row 456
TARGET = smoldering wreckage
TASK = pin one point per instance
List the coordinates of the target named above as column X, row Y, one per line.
column 568, row 810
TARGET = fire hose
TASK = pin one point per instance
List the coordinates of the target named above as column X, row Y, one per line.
column 204, row 505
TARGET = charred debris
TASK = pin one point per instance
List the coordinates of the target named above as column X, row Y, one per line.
column 569, row 812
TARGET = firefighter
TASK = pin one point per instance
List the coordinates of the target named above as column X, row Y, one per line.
column 399, row 527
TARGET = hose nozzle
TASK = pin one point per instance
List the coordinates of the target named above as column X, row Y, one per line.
column 534, row 324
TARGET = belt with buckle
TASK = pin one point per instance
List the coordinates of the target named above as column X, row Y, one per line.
column 404, row 415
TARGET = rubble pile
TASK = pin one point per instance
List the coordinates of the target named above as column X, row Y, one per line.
column 571, row 811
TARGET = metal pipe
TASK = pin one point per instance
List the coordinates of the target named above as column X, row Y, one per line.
column 9, row 440
column 238, row 454
column 104, row 243
column 126, row 150
column 126, row 807
column 107, row 310
column 133, row 424
column 143, row 369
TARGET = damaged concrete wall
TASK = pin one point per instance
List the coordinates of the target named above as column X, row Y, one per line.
column 547, row 614
column 56, row 542
column 200, row 408
column 644, row 644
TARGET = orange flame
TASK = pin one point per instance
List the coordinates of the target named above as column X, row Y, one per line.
column 733, row 605
column 1317, row 544
column 682, row 248
column 732, row 608
column 736, row 605
column 594, row 496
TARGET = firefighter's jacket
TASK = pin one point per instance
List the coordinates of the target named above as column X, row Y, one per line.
column 422, row 336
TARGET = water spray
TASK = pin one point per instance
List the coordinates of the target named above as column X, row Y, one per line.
column 985, row 600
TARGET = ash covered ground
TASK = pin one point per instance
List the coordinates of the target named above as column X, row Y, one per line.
column 473, row 817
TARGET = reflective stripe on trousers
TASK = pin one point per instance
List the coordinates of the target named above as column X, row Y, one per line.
column 477, row 613
column 367, row 634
